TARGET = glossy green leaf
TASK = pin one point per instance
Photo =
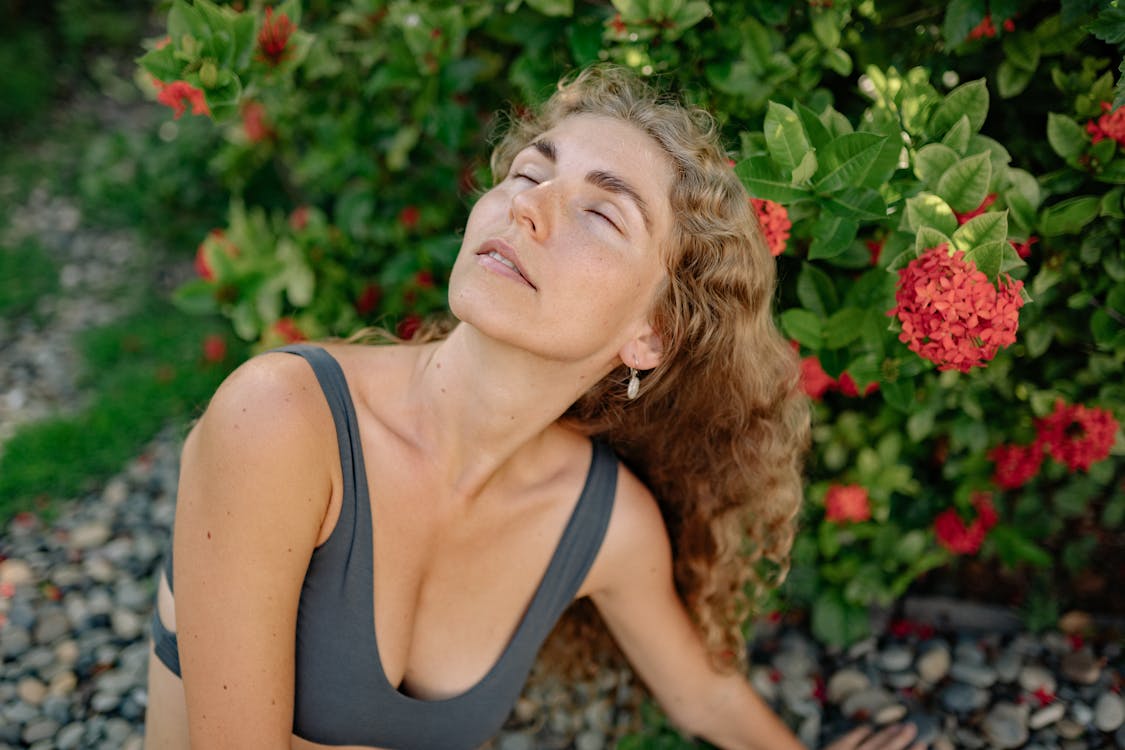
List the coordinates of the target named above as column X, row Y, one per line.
column 991, row 226
column 899, row 394
column 965, row 184
column 1110, row 25
column 1011, row 79
column 988, row 257
column 1066, row 136
column 929, row 210
column 816, row 291
column 932, row 160
column 553, row 7
column 785, row 136
column 1068, row 216
column 804, row 327
column 843, row 327
column 928, row 238
column 815, row 128
column 762, row 180
column 1022, row 50
column 831, row 236
column 957, row 137
column 845, row 161
column 864, row 204
column 969, row 100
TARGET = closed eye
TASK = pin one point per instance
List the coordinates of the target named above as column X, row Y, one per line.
column 529, row 178
column 606, row 218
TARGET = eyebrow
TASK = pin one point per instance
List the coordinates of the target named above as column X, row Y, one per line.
column 607, row 181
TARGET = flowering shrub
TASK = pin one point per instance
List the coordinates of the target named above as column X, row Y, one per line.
column 899, row 172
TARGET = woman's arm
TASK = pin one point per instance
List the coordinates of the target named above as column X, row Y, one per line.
column 254, row 489
column 633, row 590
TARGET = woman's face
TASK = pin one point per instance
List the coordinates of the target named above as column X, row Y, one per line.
column 563, row 257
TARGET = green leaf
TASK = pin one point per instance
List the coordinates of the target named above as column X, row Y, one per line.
column 969, row 99
column 804, row 327
column 899, row 394
column 988, row 258
column 845, row 161
column 863, row 204
column 932, row 160
column 806, row 169
column 815, row 129
column 1110, row 25
column 843, row 327
column 553, row 7
column 831, row 236
column 1022, row 50
column 762, row 180
column 826, row 28
column 185, row 20
column 1113, row 173
column 991, row 226
column 816, row 291
column 785, row 137
column 929, row 210
column 838, row 61
column 1068, row 216
column 1066, row 136
column 928, row 238
column 957, row 138
column 837, row 623
column 162, row 64
column 965, row 184
column 196, row 297
column 1011, row 79
column 1014, row 548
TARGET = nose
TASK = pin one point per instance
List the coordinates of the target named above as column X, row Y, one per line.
column 529, row 209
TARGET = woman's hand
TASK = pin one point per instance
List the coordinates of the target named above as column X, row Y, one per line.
column 894, row 737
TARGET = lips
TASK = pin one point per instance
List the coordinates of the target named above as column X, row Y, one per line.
column 506, row 256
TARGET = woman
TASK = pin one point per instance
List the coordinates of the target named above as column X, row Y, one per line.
column 416, row 518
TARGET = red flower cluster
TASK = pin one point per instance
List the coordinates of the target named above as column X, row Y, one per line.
column 845, row 503
column 984, row 204
column 951, row 314
column 368, row 299
column 955, row 536
column 288, row 330
column 254, row 122
column 988, row 29
column 273, row 38
column 1076, row 435
column 1111, row 124
column 175, row 95
column 775, row 223
column 1016, row 465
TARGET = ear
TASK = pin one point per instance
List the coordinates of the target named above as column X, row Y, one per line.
column 644, row 351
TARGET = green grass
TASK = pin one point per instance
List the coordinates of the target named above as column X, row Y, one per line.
column 145, row 371
column 26, row 275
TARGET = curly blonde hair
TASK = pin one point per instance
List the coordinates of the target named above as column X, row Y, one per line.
column 720, row 428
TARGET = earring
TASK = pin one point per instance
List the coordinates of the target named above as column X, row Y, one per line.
column 634, row 386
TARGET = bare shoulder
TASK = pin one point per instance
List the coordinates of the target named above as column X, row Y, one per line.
column 636, row 540
column 269, row 415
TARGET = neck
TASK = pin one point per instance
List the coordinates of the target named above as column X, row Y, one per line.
column 478, row 404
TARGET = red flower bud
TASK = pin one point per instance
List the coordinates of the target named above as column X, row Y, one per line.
column 214, row 348
column 408, row 326
column 408, row 217
column 846, row 503
column 368, row 299
column 176, row 93
column 288, row 330
column 273, row 37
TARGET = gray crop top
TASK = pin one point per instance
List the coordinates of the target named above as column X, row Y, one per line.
column 342, row 696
